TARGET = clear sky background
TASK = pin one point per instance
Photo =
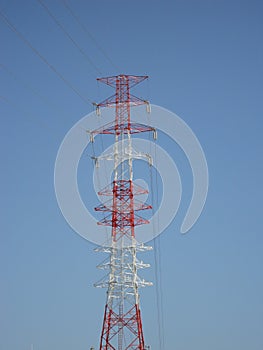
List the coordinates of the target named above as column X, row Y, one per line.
column 204, row 59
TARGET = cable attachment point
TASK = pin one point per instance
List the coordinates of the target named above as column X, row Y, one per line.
column 91, row 136
column 155, row 134
column 150, row 159
column 96, row 161
column 98, row 111
column 97, row 108
column 148, row 107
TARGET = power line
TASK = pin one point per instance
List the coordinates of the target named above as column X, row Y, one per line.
column 22, row 37
column 28, row 86
column 29, row 115
column 156, row 246
column 157, row 271
column 68, row 36
column 87, row 32
column 158, row 255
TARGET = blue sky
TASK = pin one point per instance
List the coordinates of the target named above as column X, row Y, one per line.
column 204, row 59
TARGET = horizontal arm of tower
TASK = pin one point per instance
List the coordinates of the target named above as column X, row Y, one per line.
column 140, row 247
column 131, row 79
column 123, row 220
column 107, row 265
column 127, row 154
column 123, row 185
column 125, row 206
column 125, row 128
column 127, row 283
column 113, row 100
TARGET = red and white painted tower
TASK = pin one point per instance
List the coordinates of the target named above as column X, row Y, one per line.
column 122, row 323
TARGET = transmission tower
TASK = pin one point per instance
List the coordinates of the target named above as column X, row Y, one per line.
column 122, row 323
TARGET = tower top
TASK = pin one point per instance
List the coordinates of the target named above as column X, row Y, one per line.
column 122, row 84
column 123, row 79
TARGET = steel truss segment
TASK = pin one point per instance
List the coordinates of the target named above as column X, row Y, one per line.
column 115, row 324
column 111, row 101
column 122, row 128
column 123, row 186
column 140, row 247
column 126, row 154
column 108, row 206
column 122, row 220
column 131, row 79
column 106, row 264
column 122, row 325
column 139, row 265
column 140, row 284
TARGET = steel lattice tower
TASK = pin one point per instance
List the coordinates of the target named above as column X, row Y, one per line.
column 122, row 324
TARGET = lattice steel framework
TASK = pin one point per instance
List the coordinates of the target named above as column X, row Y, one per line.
column 122, row 324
